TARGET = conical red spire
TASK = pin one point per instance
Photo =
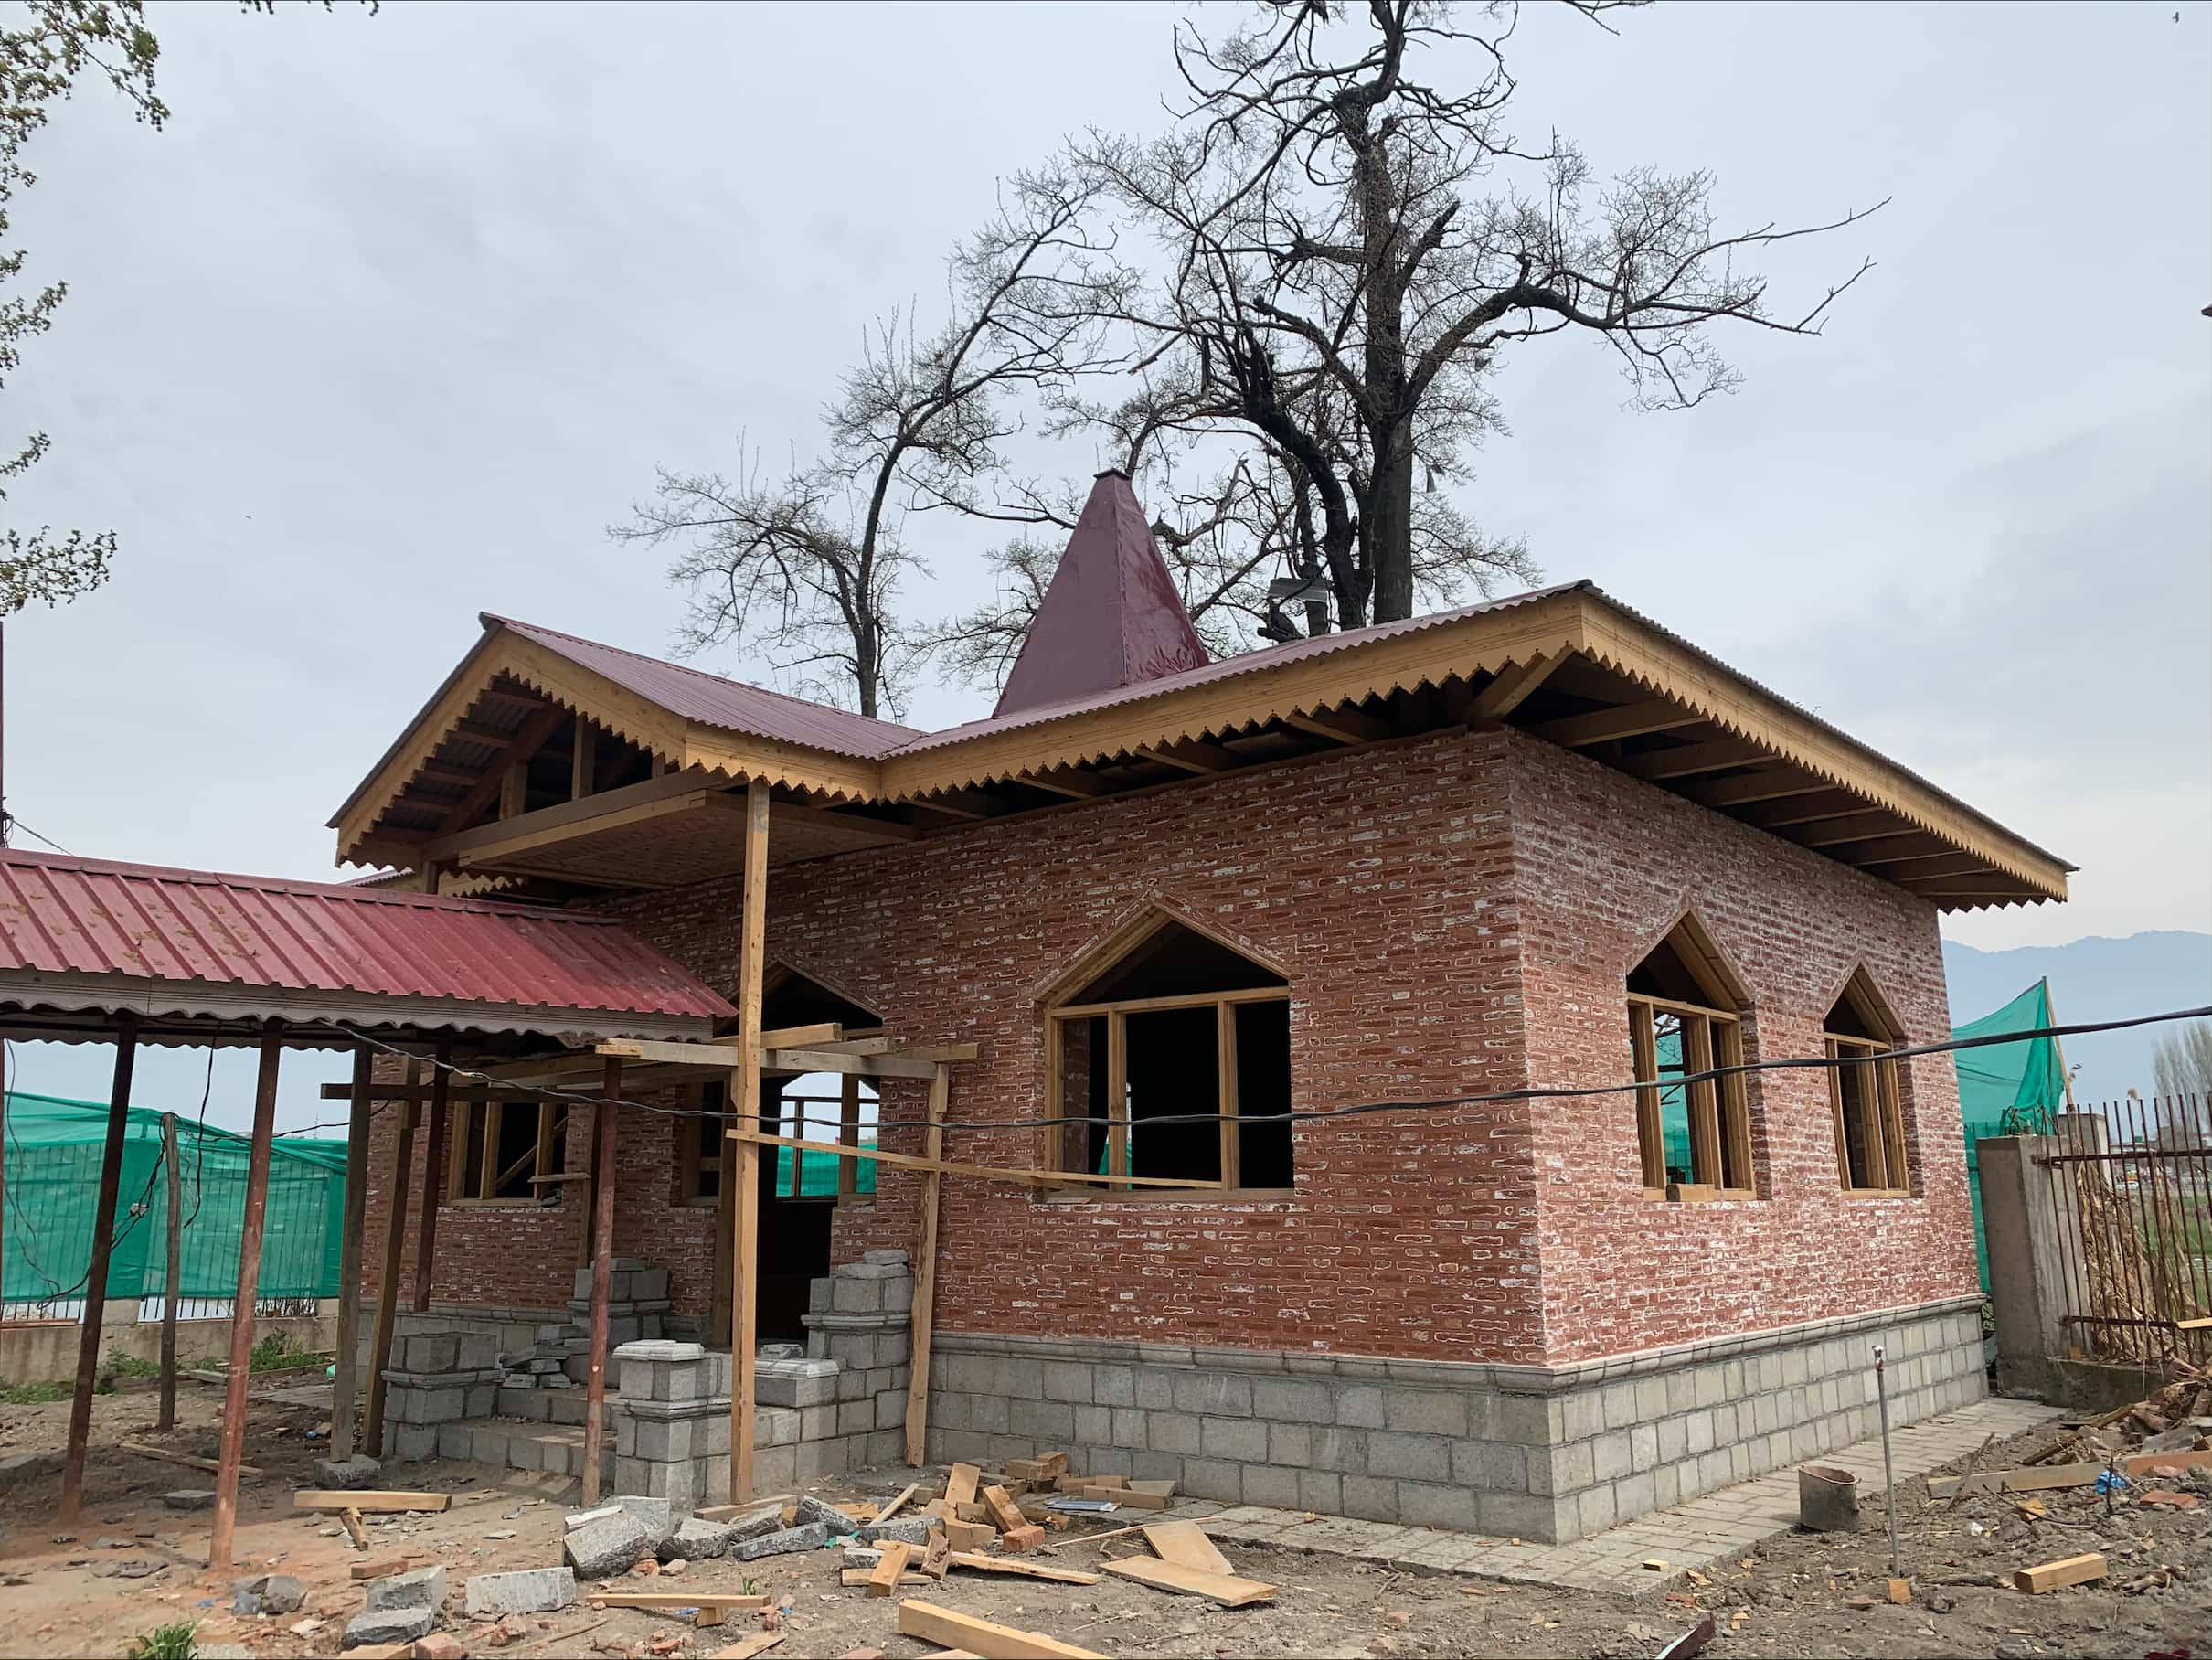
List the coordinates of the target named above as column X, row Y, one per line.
column 1110, row 617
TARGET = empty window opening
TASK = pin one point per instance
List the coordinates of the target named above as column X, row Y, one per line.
column 1694, row 1138
column 505, row 1151
column 1178, row 1025
column 1864, row 1092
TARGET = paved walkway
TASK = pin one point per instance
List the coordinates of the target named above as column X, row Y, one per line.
column 1694, row 1534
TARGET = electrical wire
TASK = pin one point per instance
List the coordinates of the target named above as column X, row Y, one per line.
column 1361, row 1109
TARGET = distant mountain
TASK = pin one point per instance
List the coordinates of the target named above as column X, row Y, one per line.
column 2091, row 979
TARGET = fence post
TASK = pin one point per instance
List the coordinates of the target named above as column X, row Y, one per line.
column 172, row 1269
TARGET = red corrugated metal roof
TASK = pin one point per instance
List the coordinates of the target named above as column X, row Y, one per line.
column 1112, row 616
column 698, row 695
column 63, row 915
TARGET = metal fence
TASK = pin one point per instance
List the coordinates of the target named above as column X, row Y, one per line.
column 2131, row 1187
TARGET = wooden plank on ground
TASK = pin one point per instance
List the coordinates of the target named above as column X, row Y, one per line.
column 2067, row 1570
column 745, row 1648
column 884, row 1578
column 984, row 1638
column 1186, row 1542
column 388, row 1565
column 899, row 1504
column 729, row 1513
column 1027, row 1570
column 1129, row 1499
column 937, row 1555
column 370, row 1499
column 1228, row 1589
column 959, row 1487
column 190, row 1460
column 1003, row 1510
column 862, row 1576
column 350, row 1519
column 2036, row 1478
column 663, row 1600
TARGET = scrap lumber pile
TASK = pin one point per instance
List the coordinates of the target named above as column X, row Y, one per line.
column 2155, row 1454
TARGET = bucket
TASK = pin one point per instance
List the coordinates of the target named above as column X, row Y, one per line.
column 1827, row 1499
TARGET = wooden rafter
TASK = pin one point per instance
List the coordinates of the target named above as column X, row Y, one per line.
column 1628, row 720
column 1191, row 755
column 519, row 747
column 1515, row 684
column 1343, row 725
column 1689, row 760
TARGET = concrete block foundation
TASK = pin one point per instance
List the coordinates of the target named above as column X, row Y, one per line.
column 1550, row 1453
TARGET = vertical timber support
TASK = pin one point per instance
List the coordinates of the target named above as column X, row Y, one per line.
column 925, row 1274
column 96, row 1277
column 344, row 1391
column 602, row 1271
column 434, row 1170
column 173, row 1269
column 744, row 1211
column 232, row 1450
column 387, row 1276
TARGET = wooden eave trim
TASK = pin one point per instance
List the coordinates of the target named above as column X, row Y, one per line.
column 1312, row 686
column 1640, row 653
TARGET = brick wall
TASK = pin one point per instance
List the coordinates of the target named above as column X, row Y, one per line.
column 1605, row 864
column 1422, row 896
column 1378, row 879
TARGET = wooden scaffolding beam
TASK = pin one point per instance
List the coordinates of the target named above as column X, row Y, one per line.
column 745, row 1212
column 433, row 1172
column 232, row 1450
column 401, row 1173
column 603, row 1269
column 96, row 1276
column 344, row 1391
column 925, row 1274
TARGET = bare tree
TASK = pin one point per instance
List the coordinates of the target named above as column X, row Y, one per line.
column 1347, row 250
column 808, row 563
column 2181, row 1061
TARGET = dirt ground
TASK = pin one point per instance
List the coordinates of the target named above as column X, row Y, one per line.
column 134, row 1565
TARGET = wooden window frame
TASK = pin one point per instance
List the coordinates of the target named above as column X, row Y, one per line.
column 1882, row 1124
column 1719, row 1108
column 482, row 1119
column 691, row 1165
column 697, row 1147
column 1116, row 1016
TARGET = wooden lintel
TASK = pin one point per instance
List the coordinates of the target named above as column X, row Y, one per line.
column 903, row 1051
column 1629, row 720
column 470, row 1093
column 1512, row 686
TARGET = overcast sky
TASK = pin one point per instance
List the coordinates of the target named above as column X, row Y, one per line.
column 401, row 310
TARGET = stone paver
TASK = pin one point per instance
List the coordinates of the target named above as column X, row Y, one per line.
column 1693, row 1535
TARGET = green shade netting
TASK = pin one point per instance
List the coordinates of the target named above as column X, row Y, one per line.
column 818, row 1172
column 2006, row 1088
column 52, row 1171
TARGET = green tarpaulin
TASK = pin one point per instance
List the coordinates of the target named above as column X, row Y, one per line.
column 53, row 1152
column 2007, row 1089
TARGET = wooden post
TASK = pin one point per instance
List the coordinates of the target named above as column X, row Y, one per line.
column 344, row 1391
column 387, row 1279
column 173, row 1269
column 925, row 1275
column 744, row 1214
column 848, row 1135
column 96, row 1277
column 232, row 1451
column 433, row 1172
column 603, row 1270
column 582, row 752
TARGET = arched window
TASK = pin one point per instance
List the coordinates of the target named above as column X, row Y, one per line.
column 1164, row 1022
column 1686, row 1016
column 1864, row 1093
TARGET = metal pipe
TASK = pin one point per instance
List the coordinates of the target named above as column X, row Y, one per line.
column 1881, row 1394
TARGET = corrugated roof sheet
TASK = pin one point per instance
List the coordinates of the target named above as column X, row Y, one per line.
column 63, row 915
column 698, row 695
